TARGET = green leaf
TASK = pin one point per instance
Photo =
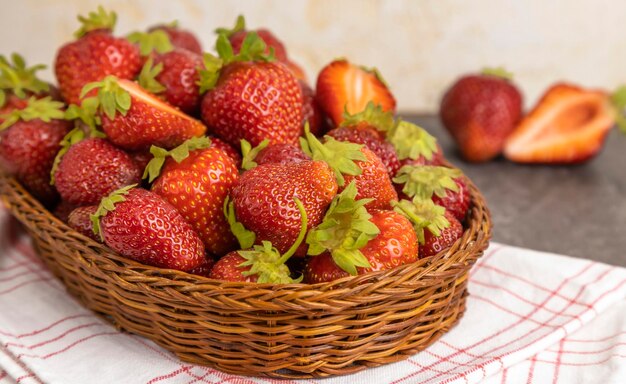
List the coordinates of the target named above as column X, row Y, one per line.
column 423, row 214
column 87, row 114
column 423, row 181
column 411, row 141
column 3, row 98
column 224, row 49
column 245, row 237
column 240, row 25
column 112, row 98
column 345, row 229
column 210, row 73
column 498, row 72
column 249, row 153
column 44, row 109
column 155, row 41
column 373, row 115
column 74, row 136
column 180, row 153
column 341, row 156
column 147, row 77
column 107, row 204
column 18, row 78
column 100, row 19
column 618, row 99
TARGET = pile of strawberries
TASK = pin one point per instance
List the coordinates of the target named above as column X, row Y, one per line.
column 483, row 113
column 227, row 165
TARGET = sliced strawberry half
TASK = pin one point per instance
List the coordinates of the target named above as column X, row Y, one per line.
column 343, row 86
column 135, row 119
column 568, row 125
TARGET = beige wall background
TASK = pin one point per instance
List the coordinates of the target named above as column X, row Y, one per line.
column 420, row 46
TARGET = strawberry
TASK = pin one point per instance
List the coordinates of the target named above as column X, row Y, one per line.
column 196, row 179
column 95, row 54
column 425, row 216
column 263, row 200
column 297, row 71
column 435, row 244
column 80, row 221
column 140, row 225
column 456, row 202
column 343, row 86
column 135, row 119
column 437, row 158
column 356, row 162
column 568, row 125
column 141, row 159
column 229, row 149
column 395, row 245
column 174, row 75
column 63, row 209
column 180, row 38
column 271, row 154
column 205, row 268
column 312, row 112
column 263, row 263
column 19, row 82
column 480, row 111
column 92, row 169
column 29, row 142
column 249, row 96
column 237, row 36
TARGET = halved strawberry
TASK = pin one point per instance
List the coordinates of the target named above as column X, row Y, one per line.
column 343, row 86
column 135, row 119
column 568, row 125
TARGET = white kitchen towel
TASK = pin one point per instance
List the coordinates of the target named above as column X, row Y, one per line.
column 532, row 317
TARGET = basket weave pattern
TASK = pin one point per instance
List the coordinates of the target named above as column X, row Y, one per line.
column 282, row 331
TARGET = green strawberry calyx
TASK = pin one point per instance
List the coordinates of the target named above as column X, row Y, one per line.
column 155, row 41
column 267, row 263
column 249, row 153
column 373, row 114
column 17, row 78
column 107, row 204
column 240, row 25
column 618, row 99
column 245, row 237
column 423, row 214
column 499, row 72
column 340, row 155
column 345, row 229
column 180, row 153
column 423, row 181
column 411, row 141
column 44, row 109
column 100, row 19
column 252, row 49
column 147, row 77
column 112, row 98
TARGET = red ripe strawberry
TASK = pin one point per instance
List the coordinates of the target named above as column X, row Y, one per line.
column 568, row 125
column 197, row 186
column 438, row 159
column 312, row 112
column 141, row 158
column 263, row 200
column 456, row 202
column 395, row 245
column 251, row 100
column 229, row 149
column 91, row 169
column 205, row 268
column 135, row 119
column 228, row 269
column 343, row 86
column 180, row 38
column 80, row 221
column 29, row 142
column 435, row 244
column 96, row 54
column 63, row 209
column 144, row 227
column 297, row 71
column 238, row 34
column 480, row 111
column 271, row 154
column 174, row 75
column 373, row 182
column 374, row 140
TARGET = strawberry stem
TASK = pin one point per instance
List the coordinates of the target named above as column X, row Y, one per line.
column 499, row 72
column 249, row 153
column 301, row 234
column 240, row 25
column 244, row 236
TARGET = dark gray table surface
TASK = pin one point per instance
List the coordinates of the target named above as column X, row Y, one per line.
column 574, row 210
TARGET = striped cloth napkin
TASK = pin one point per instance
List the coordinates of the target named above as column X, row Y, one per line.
column 531, row 317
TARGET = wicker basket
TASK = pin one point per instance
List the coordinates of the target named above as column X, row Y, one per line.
column 284, row 331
